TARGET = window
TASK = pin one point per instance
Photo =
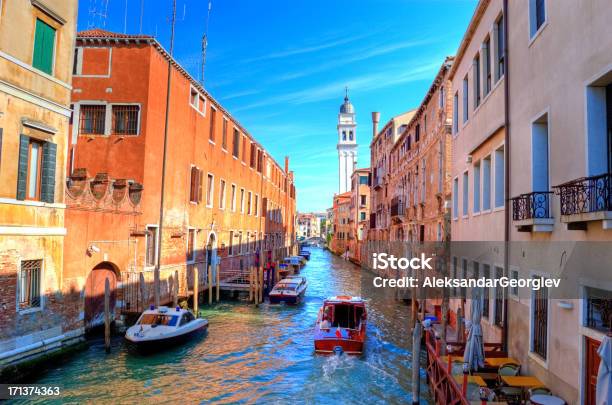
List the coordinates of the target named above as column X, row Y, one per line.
column 244, row 149
column 249, row 200
column 465, row 194
column 151, row 246
column 30, row 284
column 191, row 242
column 455, row 114
column 465, row 99
column 210, row 185
column 34, row 170
column 231, row 243
column 362, row 216
column 236, row 144
column 224, row 134
column 213, row 119
column 514, row 290
column 44, row 47
column 537, row 16
column 485, row 297
column 233, row 199
column 253, row 160
column 455, row 198
column 486, row 183
column 363, row 200
column 441, row 95
column 499, row 177
column 417, row 133
column 476, row 201
column 201, row 104
column 363, row 180
column 92, row 119
column 476, row 65
column 242, row 200
column 499, row 299
column 240, row 242
column 597, row 309
column 125, row 119
column 539, row 321
column 195, row 193
column 500, row 45
column 194, row 96
column 222, row 194
column 486, row 65
column 539, row 154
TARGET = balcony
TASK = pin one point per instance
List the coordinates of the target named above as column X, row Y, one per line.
column 398, row 210
column 586, row 199
column 377, row 182
column 531, row 212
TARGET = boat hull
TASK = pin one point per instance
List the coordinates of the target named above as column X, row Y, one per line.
column 287, row 299
column 164, row 343
column 332, row 345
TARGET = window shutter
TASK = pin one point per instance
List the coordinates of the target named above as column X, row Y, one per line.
column 44, row 44
column 200, row 180
column 22, row 168
column 47, row 185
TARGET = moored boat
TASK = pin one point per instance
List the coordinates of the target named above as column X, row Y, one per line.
column 290, row 290
column 341, row 326
column 162, row 328
column 305, row 254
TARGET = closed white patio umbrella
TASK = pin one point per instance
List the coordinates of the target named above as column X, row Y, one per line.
column 474, row 347
column 604, row 374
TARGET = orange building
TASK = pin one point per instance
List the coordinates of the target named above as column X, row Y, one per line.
column 359, row 212
column 342, row 227
column 210, row 196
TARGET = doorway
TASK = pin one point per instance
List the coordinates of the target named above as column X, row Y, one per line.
column 94, row 293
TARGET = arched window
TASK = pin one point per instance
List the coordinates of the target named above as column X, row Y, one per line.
column 351, row 135
column 344, row 135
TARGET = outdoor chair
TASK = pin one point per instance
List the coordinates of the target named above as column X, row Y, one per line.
column 537, row 391
column 510, row 394
column 457, row 368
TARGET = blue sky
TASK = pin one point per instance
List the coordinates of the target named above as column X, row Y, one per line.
column 280, row 67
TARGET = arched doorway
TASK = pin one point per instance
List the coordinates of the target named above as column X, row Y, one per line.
column 211, row 255
column 94, row 293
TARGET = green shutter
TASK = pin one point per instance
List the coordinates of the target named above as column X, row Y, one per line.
column 47, row 183
column 44, row 45
column 22, row 167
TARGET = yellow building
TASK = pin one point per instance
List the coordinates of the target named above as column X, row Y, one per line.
column 36, row 62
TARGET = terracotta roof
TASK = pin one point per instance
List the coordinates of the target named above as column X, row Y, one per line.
column 98, row 33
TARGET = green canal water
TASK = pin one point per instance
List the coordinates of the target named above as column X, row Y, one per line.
column 257, row 355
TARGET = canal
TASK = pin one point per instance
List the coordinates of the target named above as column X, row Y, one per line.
column 263, row 354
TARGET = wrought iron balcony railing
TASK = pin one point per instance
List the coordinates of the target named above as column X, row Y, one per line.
column 587, row 194
column 533, row 205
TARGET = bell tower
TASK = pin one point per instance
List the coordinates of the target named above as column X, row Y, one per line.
column 347, row 144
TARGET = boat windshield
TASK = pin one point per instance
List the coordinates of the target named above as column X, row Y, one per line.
column 345, row 315
column 155, row 319
column 286, row 286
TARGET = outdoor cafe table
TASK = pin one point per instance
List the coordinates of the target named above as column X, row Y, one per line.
column 546, row 400
column 476, row 379
column 498, row 361
column 522, row 381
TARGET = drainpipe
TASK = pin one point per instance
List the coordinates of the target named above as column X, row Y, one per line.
column 163, row 179
column 506, row 173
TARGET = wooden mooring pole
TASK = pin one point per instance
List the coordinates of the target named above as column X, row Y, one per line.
column 210, row 284
column 195, row 290
column 176, row 289
column 250, row 284
column 218, row 279
column 416, row 362
column 107, row 320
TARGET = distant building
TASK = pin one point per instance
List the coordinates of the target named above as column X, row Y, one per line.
column 309, row 225
column 347, row 144
column 342, row 227
column 359, row 213
column 380, row 156
column 39, row 308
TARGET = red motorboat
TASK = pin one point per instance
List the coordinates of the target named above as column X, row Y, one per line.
column 341, row 326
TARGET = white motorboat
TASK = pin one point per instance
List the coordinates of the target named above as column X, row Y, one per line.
column 162, row 327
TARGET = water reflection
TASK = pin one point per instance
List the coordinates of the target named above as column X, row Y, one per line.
column 258, row 354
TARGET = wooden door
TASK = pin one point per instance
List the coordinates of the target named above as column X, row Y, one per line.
column 592, row 366
column 94, row 294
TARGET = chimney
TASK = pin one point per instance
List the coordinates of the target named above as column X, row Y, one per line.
column 286, row 164
column 375, row 119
